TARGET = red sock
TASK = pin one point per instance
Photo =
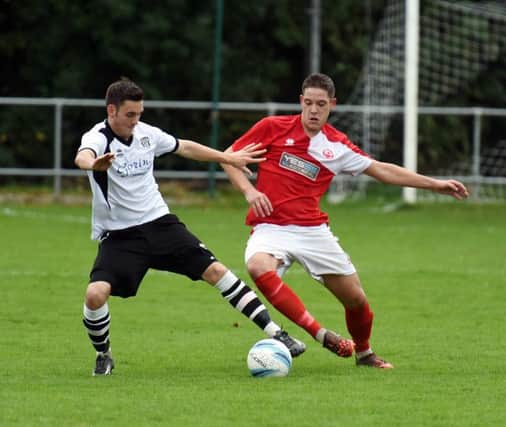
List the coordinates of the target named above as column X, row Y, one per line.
column 359, row 323
column 286, row 301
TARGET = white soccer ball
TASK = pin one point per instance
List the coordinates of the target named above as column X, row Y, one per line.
column 269, row 358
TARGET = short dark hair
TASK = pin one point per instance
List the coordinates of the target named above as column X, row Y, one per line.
column 121, row 91
column 319, row 81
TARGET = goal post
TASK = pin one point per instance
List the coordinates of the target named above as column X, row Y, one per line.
column 432, row 72
column 411, row 93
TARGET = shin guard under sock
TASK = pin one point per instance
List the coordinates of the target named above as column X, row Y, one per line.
column 359, row 323
column 286, row 301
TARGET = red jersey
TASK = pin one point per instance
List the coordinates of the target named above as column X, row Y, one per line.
column 299, row 169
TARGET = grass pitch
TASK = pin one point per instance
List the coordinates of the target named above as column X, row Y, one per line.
column 435, row 276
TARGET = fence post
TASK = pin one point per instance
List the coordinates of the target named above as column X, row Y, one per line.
column 215, row 112
column 477, row 113
column 58, row 108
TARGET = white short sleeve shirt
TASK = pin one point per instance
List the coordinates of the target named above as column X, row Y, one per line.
column 127, row 193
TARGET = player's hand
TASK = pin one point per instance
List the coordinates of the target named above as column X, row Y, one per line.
column 259, row 202
column 452, row 188
column 103, row 162
column 249, row 154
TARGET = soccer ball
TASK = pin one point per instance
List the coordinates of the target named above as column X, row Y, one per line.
column 269, row 358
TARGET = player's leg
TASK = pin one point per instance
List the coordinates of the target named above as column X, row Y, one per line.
column 359, row 317
column 269, row 253
column 118, row 270
column 97, row 321
column 285, row 300
column 245, row 300
column 183, row 253
column 262, row 268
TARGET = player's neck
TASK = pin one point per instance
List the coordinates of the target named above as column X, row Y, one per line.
column 311, row 132
column 120, row 133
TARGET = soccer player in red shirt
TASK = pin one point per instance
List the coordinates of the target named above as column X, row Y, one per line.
column 304, row 153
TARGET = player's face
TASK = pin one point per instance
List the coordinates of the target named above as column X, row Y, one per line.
column 123, row 119
column 316, row 106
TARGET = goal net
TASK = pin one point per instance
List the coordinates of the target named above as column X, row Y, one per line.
column 462, row 63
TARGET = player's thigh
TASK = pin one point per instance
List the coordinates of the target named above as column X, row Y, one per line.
column 122, row 262
column 179, row 251
column 267, row 249
column 320, row 253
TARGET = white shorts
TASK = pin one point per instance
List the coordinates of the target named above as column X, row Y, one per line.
column 316, row 249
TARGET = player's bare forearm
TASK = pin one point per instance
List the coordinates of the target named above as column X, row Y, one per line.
column 239, row 159
column 237, row 178
column 258, row 201
column 390, row 173
column 195, row 151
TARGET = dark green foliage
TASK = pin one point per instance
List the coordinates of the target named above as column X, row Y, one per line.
column 66, row 49
column 61, row 48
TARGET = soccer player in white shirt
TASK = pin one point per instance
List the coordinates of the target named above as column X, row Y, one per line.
column 304, row 153
column 134, row 226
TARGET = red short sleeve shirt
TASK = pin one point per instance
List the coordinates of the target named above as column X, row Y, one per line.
column 299, row 169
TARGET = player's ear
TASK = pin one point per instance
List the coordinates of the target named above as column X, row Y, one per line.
column 333, row 102
column 111, row 110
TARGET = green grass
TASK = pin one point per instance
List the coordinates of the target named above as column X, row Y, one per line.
column 435, row 276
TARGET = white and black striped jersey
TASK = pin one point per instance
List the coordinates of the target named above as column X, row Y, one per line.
column 127, row 193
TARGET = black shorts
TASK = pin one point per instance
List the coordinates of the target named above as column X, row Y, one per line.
column 124, row 256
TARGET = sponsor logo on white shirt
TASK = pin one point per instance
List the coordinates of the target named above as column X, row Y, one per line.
column 134, row 168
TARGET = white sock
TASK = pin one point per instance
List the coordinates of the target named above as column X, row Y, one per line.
column 245, row 300
column 320, row 335
column 271, row 329
column 226, row 282
column 97, row 324
column 364, row 353
column 95, row 314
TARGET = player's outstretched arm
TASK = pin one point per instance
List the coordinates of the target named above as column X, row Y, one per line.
column 397, row 175
column 86, row 160
column 239, row 159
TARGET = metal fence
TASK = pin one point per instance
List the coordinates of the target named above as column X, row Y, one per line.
column 269, row 108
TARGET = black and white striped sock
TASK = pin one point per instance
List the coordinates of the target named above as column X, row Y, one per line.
column 245, row 300
column 97, row 324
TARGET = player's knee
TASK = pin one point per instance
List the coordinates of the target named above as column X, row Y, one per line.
column 356, row 301
column 256, row 269
column 97, row 294
column 214, row 272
